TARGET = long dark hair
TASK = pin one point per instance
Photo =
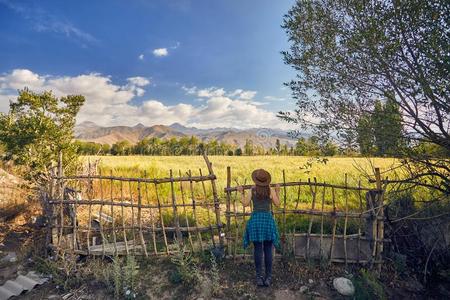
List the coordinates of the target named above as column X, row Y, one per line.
column 261, row 191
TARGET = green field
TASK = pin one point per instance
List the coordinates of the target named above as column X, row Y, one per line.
column 241, row 167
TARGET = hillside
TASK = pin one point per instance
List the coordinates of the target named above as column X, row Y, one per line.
column 89, row 131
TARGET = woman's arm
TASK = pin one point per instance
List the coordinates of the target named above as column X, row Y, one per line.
column 245, row 199
column 275, row 195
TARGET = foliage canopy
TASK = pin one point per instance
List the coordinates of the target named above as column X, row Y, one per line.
column 37, row 127
column 350, row 54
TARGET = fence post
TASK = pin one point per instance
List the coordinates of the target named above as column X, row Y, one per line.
column 380, row 217
column 175, row 211
column 60, row 196
column 228, row 216
column 216, row 199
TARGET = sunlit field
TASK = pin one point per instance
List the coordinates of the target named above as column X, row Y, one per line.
column 333, row 171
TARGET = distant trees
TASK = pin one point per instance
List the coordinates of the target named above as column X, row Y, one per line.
column 381, row 132
column 193, row 146
column 37, row 127
column 312, row 147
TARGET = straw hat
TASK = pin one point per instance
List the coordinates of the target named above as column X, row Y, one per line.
column 261, row 177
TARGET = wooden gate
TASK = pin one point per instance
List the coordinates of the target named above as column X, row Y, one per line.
column 317, row 220
column 109, row 215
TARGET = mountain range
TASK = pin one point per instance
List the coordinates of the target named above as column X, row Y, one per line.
column 265, row 137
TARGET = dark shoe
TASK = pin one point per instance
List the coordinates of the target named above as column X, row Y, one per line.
column 268, row 281
column 259, row 281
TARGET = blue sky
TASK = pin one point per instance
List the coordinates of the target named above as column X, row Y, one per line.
column 200, row 63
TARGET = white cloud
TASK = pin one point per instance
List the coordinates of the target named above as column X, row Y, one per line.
column 273, row 98
column 141, row 56
column 160, row 52
column 108, row 103
column 138, row 81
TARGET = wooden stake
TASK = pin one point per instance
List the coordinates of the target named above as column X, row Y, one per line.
column 359, row 223
column 284, row 205
column 123, row 219
column 334, row 225
column 236, row 239
column 345, row 219
column 194, row 211
column 175, row 211
column 60, row 196
column 100, row 218
column 139, row 219
column 90, row 191
column 132, row 218
column 215, row 198
column 228, row 206
column 161, row 219
column 185, row 213
column 311, row 218
column 207, row 209
column 321, row 225
column 112, row 216
column 152, row 220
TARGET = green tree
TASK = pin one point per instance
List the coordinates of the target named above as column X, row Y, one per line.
column 278, row 146
column 349, row 54
column 37, row 127
column 121, row 148
column 365, row 135
column 238, row 152
column 329, row 149
column 248, row 147
column 106, row 149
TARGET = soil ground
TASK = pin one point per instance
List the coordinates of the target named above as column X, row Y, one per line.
column 291, row 280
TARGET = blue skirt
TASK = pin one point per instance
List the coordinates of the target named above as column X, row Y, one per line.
column 261, row 227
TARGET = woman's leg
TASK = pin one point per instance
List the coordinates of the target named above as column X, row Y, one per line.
column 268, row 250
column 258, row 256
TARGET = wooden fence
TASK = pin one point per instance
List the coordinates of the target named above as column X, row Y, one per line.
column 108, row 215
column 343, row 232
column 97, row 214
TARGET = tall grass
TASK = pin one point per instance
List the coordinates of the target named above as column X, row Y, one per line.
column 242, row 166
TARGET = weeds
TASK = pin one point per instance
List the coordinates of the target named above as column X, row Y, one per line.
column 64, row 271
column 214, row 274
column 367, row 286
column 186, row 269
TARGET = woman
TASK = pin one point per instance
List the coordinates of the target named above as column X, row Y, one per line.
column 261, row 228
